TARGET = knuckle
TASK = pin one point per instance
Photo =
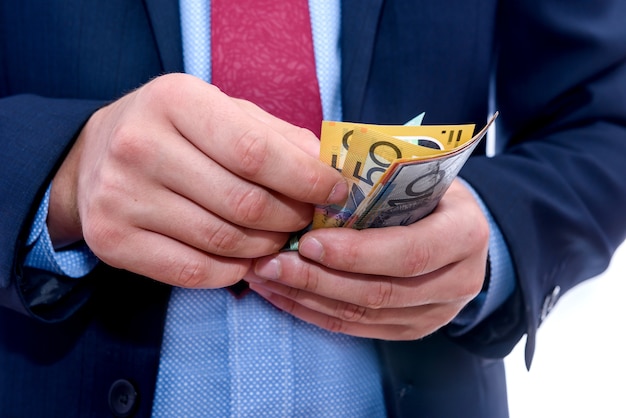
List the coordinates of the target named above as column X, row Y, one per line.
column 335, row 325
column 351, row 257
column 100, row 242
column 351, row 312
column 472, row 230
column 467, row 289
column 289, row 306
column 166, row 87
column 381, row 294
column 248, row 205
column 102, row 237
column 312, row 184
column 292, row 294
column 128, row 145
column 476, row 236
column 101, row 216
column 110, row 245
column 481, row 234
column 416, row 260
column 253, row 150
column 310, row 280
column 223, row 239
column 191, row 274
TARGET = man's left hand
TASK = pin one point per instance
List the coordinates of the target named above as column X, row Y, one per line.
column 394, row 283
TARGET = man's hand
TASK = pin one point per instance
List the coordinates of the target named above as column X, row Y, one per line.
column 181, row 183
column 396, row 283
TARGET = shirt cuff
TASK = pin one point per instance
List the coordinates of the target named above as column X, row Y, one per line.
column 74, row 261
column 501, row 278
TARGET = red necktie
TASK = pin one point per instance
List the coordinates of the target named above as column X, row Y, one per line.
column 262, row 51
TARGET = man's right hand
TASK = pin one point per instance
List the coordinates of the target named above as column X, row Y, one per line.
column 181, row 183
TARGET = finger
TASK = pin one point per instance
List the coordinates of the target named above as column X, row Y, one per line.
column 166, row 260
column 452, row 283
column 169, row 214
column 344, row 311
column 192, row 174
column 160, row 183
column 242, row 144
column 455, row 231
column 423, row 320
column 302, row 137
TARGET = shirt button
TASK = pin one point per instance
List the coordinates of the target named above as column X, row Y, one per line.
column 122, row 398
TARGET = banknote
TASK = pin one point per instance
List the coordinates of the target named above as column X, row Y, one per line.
column 366, row 157
column 369, row 155
column 413, row 190
column 412, row 187
column 397, row 173
column 336, row 137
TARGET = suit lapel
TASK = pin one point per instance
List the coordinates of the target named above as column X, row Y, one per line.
column 359, row 25
column 165, row 21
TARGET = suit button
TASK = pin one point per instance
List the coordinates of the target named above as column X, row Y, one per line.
column 549, row 302
column 122, row 398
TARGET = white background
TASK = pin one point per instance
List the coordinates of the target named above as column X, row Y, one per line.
column 579, row 367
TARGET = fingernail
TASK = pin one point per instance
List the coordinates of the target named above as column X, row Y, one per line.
column 269, row 269
column 339, row 193
column 311, row 249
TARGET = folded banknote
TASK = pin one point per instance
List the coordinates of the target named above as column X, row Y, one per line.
column 397, row 174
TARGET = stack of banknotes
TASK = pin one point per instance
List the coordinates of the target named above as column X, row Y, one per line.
column 397, row 174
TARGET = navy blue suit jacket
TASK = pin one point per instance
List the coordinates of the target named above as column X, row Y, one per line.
column 556, row 188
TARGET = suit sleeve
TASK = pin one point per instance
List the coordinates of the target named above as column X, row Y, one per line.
column 35, row 133
column 556, row 186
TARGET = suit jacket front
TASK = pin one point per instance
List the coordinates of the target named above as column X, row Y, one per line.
column 556, row 71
